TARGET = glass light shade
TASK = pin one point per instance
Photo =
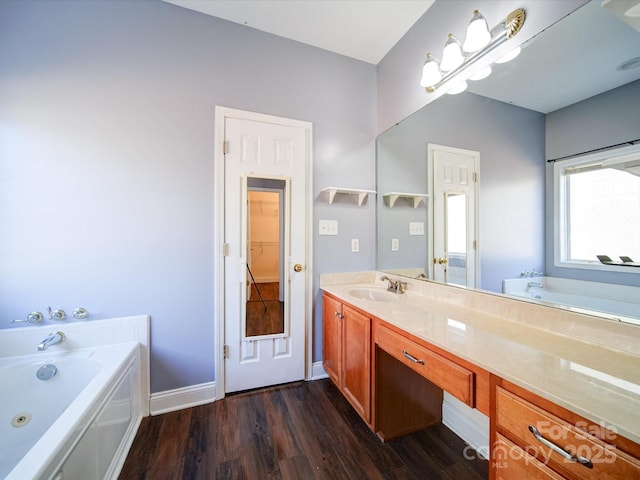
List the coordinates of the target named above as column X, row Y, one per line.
column 478, row 35
column 484, row 73
column 510, row 56
column 430, row 72
column 457, row 88
column 452, row 56
column 633, row 12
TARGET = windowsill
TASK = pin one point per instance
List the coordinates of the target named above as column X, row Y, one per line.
column 600, row 267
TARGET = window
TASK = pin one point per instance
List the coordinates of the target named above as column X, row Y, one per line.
column 597, row 210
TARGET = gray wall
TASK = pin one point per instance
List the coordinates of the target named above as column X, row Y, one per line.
column 106, row 160
column 510, row 140
column 601, row 121
column 399, row 91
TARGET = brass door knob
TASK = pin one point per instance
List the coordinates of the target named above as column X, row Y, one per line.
column 442, row 260
column 297, row 267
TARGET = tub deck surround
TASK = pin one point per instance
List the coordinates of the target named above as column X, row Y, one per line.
column 616, row 302
column 94, row 431
column 585, row 364
column 41, row 460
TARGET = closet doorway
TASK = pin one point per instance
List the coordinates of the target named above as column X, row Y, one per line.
column 260, row 154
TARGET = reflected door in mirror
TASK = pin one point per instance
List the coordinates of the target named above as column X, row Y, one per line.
column 454, row 174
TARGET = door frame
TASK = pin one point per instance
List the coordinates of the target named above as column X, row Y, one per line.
column 221, row 114
column 431, row 148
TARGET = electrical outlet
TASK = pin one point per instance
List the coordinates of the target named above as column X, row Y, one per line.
column 355, row 245
column 328, row 227
column 416, row 228
column 394, row 244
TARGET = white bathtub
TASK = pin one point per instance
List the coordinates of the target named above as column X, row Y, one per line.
column 80, row 423
column 616, row 302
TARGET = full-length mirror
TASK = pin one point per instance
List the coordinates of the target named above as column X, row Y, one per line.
column 264, row 312
column 574, row 91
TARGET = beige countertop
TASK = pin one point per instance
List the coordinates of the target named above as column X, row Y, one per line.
column 588, row 365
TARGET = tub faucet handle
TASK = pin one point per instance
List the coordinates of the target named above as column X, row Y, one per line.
column 80, row 313
column 56, row 314
column 33, row 317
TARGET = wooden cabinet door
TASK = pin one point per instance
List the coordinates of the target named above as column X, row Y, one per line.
column 332, row 338
column 356, row 361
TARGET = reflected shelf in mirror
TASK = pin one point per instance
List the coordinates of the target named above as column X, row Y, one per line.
column 414, row 198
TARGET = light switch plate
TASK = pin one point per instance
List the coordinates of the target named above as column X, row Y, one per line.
column 328, row 227
column 394, row 244
column 416, row 228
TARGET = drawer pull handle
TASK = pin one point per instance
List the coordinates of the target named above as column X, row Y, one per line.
column 411, row 357
column 339, row 315
column 559, row 450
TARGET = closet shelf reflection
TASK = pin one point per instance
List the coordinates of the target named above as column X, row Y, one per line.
column 415, row 198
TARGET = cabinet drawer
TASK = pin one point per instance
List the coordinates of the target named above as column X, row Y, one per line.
column 449, row 376
column 513, row 463
column 515, row 417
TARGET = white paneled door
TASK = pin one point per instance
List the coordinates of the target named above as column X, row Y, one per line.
column 265, row 151
column 454, row 174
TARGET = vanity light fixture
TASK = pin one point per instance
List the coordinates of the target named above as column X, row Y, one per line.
column 509, row 56
column 456, row 57
column 457, row 88
column 484, row 73
column 452, row 56
column 478, row 34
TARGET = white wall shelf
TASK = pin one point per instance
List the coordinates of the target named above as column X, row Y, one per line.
column 362, row 194
column 415, row 198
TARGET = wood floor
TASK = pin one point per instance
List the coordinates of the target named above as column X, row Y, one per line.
column 305, row 430
column 265, row 313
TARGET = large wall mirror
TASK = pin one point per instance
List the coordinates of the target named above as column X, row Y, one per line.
column 567, row 93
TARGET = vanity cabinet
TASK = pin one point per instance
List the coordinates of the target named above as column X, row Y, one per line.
column 437, row 369
column 346, row 352
column 393, row 365
column 534, row 438
column 332, row 338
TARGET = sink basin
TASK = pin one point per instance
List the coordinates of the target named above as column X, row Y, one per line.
column 375, row 294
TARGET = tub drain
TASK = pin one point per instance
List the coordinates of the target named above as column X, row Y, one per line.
column 47, row 372
column 21, row 419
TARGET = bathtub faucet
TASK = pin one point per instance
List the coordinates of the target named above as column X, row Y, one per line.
column 52, row 339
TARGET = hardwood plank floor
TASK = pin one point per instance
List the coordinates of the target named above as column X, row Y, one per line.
column 304, row 430
column 265, row 313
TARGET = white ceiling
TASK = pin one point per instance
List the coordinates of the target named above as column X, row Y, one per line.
column 362, row 29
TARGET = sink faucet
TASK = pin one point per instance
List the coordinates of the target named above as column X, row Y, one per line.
column 52, row 339
column 395, row 286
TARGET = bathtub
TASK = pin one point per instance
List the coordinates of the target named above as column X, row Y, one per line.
column 615, row 302
column 80, row 422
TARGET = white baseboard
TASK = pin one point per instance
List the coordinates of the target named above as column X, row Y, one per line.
column 468, row 423
column 318, row 372
column 191, row 396
column 194, row 395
